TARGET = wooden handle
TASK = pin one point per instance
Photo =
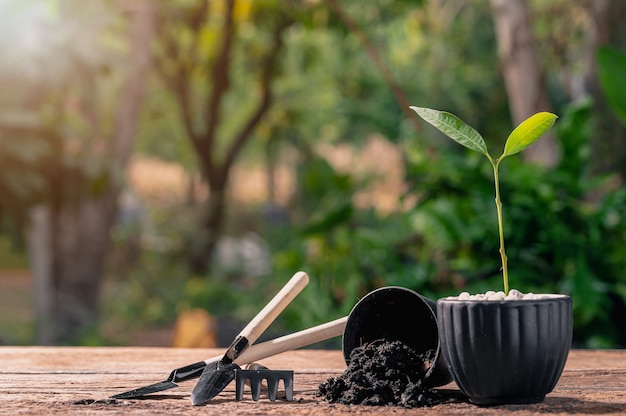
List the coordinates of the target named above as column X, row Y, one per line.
column 263, row 319
column 289, row 342
column 293, row 341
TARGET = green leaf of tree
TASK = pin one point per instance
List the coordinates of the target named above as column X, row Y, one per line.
column 454, row 128
column 528, row 132
column 611, row 67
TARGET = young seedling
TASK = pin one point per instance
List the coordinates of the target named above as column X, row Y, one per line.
column 520, row 138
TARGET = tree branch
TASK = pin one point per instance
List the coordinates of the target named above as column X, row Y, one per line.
column 141, row 56
column 177, row 80
column 219, row 79
column 268, row 72
column 196, row 22
column 372, row 51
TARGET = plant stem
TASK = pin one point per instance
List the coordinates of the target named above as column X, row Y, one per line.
column 505, row 272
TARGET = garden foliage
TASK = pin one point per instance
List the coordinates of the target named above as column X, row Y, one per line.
column 565, row 232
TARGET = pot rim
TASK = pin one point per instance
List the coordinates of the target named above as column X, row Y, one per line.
column 553, row 297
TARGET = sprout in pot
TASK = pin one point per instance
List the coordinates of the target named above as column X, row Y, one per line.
column 507, row 347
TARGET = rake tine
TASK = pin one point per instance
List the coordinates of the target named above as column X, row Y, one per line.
column 256, row 378
column 272, row 388
column 255, row 386
column 288, row 385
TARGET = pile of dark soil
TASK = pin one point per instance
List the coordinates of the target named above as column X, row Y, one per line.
column 383, row 373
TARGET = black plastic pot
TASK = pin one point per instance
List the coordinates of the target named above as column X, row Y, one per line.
column 505, row 352
column 397, row 313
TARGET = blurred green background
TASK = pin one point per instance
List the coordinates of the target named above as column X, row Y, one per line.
column 160, row 157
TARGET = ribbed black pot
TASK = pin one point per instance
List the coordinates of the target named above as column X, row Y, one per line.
column 505, row 352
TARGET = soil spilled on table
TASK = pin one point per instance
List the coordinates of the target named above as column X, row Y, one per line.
column 384, row 373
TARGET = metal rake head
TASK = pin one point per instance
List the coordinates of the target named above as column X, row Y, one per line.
column 256, row 378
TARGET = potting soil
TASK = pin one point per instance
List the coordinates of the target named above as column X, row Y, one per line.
column 383, row 373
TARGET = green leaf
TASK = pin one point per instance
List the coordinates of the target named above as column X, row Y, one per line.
column 611, row 67
column 454, row 128
column 528, row 132
column 334, row 217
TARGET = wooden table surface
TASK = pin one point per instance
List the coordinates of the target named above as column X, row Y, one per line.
column 79, row 380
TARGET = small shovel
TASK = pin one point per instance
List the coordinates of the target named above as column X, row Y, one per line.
column 217, row 375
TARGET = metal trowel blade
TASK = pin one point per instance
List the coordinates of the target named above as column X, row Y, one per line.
column 179, row 374
column 215, row 377
column 144, row 391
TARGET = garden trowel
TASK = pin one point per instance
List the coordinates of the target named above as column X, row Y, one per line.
column 254, row 353
column 218, row 375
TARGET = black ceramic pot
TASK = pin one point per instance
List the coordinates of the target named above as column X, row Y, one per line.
column 397, row 313
column 505, row 352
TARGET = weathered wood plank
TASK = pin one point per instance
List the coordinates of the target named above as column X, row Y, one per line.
column 68, row 380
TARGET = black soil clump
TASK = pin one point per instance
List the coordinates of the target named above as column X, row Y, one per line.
column 383, row 373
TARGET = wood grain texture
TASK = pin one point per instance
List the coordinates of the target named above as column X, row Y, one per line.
column 69, row 380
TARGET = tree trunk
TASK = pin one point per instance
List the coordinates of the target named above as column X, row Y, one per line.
column 523, row 77
column 204, row 243
column 604, row 27
column 80, row 242
column 69, row 240
column 40, row 258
